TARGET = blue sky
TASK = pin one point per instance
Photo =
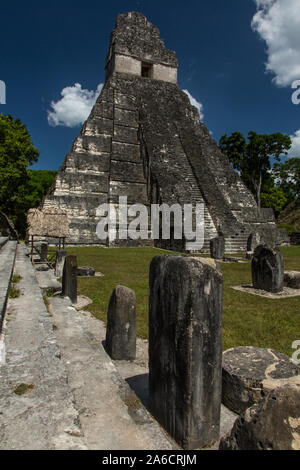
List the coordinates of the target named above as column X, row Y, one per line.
column 49, row 46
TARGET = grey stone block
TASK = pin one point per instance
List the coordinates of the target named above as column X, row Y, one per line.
column 267, row 269
column 185, row 348
column 253, row 241
column 69, row 281
column 121, row 324
column 272, row 424
column 292, row 279
column 44, row 252
column 245, row 373
column 217, row 248
column 59, row 263
column 85, row 271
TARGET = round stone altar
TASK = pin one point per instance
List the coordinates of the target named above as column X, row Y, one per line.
column 249, row 373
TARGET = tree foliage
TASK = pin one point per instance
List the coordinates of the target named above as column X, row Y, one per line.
column 30, row 195
column 274, row 198
column 287, row 177
column 20, row 188
column 253, row 158
column 17, row 152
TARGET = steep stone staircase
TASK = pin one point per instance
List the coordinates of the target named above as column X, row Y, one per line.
column 236, row 243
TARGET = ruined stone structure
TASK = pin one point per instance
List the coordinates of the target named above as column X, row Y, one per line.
column 144, row 139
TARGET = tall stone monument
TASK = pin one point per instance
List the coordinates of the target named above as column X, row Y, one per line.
column 185, row 348
column 144, row 140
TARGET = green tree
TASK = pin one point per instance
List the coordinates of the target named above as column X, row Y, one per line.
column 275, row 199
column 17, row 152
column 31, row 194
column 287, row 177
column 253, row 158
column 20, row 188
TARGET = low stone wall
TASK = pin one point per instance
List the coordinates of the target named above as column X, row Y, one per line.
column 7, row 261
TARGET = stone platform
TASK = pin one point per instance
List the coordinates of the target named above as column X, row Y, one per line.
column 286, row 292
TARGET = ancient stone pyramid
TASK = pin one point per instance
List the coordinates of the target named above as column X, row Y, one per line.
column 144, row 139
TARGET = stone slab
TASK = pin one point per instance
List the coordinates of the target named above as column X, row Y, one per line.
column 85, row 271
column 69, row 279
column 272, row 424
column 82, row 301
column 121, row 324
column 48, row 281
column 245, row 374
column 286, row 292
column 111, row 415
column 267, row 269
column 291, row 279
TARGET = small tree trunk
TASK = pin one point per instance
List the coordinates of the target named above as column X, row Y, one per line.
column 259, row 191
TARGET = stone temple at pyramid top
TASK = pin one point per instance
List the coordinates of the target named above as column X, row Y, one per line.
column 136, row 48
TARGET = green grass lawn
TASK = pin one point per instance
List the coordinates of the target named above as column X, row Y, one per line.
column 247, row 319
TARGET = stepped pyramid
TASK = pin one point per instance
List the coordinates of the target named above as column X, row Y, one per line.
column 144, row 139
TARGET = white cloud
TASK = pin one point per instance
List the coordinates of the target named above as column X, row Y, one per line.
column 74, row 107
column 195, row 103
column 295, row 149
column 278, row 23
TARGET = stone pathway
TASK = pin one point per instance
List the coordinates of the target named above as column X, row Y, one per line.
column 111, row 415
column 135, row 373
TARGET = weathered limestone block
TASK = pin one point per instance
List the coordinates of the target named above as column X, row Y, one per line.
column 127, row 171
column 272, row 424
column 125, row 134
column 103, row 109
column 85, row 271
column 69, row 281
column 292, row 279
column 126, row 152
column 121, row 325
column 133, row 191
column 59, row 262
column 253, row 241
column 267, row 269
column 185, row 348
column 249, row 373
column 217, row 248
column 126, row 117
column 87, row 162
column 42, row 267
column 44, row 252
column 98, row 126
